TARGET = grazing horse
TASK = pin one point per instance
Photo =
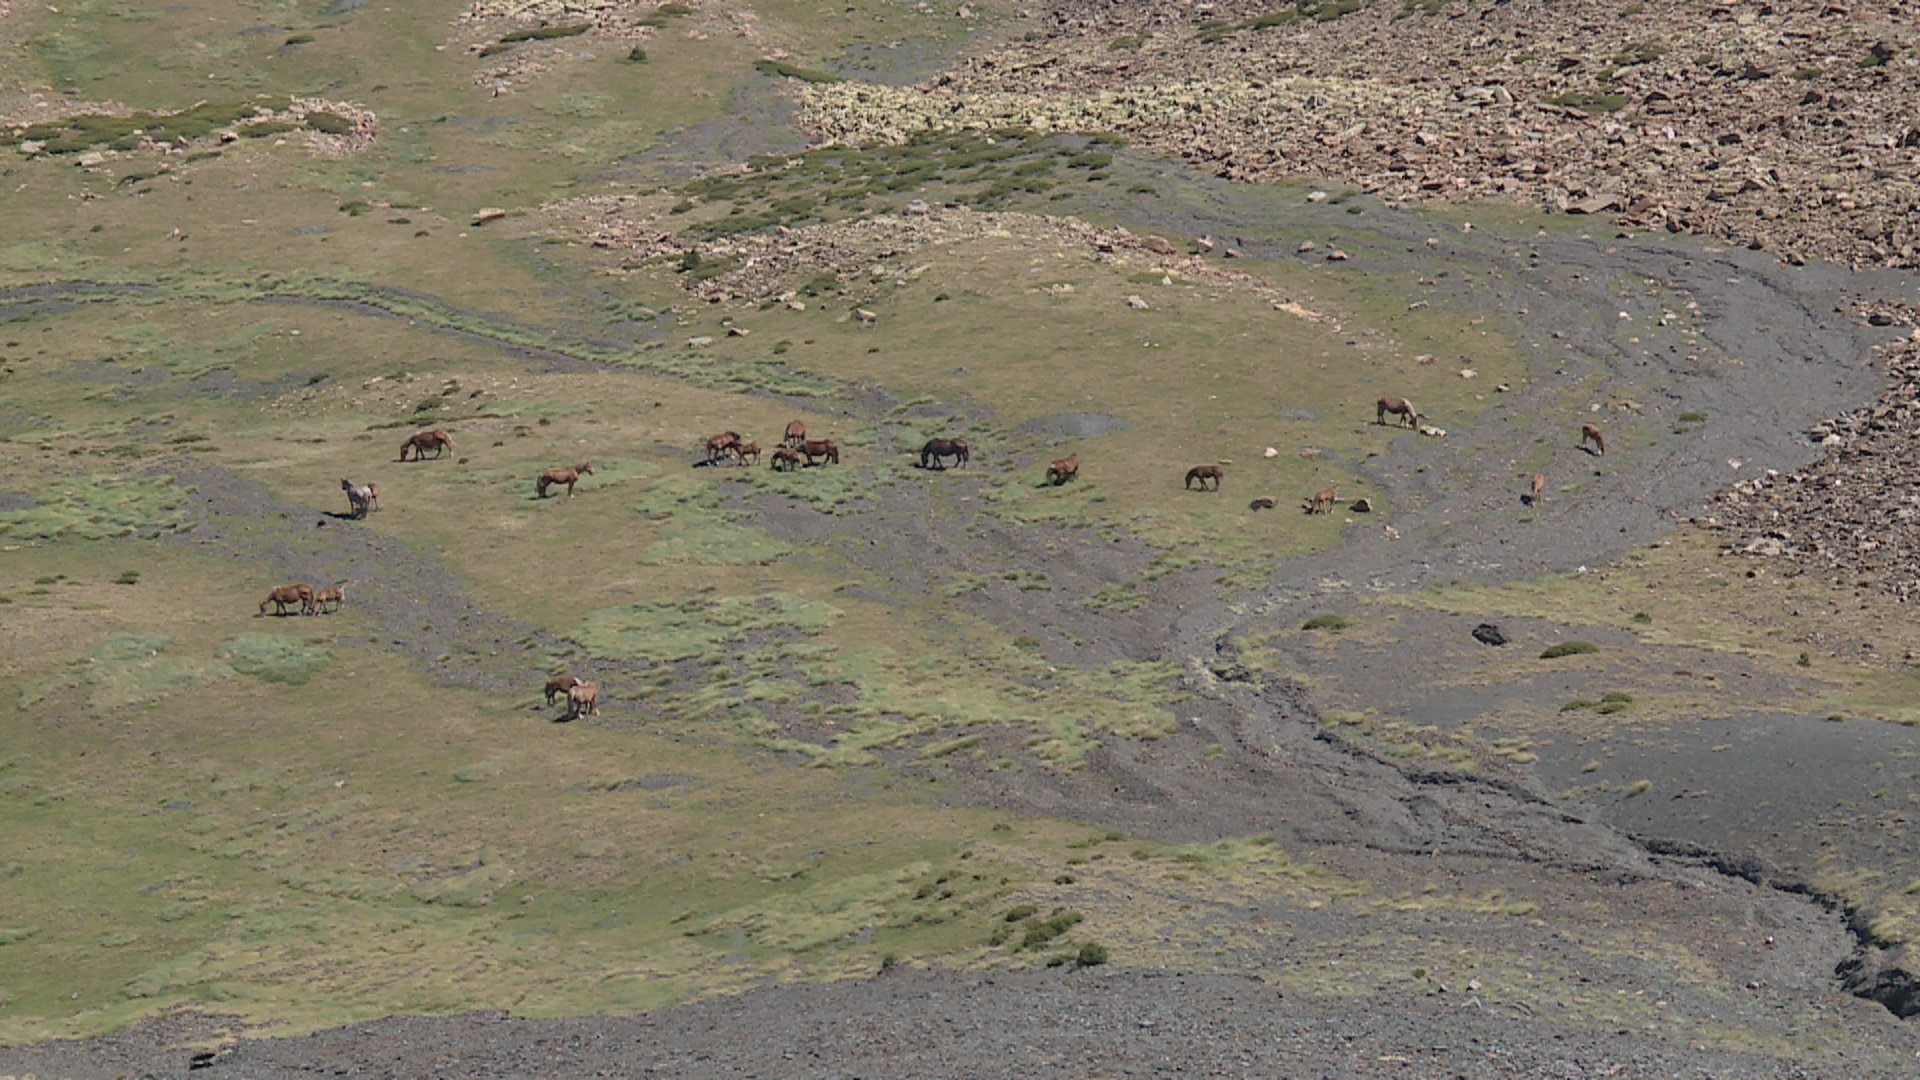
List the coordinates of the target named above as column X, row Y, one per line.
column 796, row 433
column 745, row 450
column 955, row 448
column 1063, row 470
column 785, row 458
column 561, row 476
column 420, row 442
column 821, row 448
column 1539, row 486
column 1398, row 406
column 359, row 497
column 1590, row 433
column 1322, row 501
column 720, row 444
column 583, row 699
column 282, row 596
column 559, row 685
column 1204, row 473
column 336, row 596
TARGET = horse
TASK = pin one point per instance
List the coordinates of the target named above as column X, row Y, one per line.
column 1204, row 473
column 720, row 444
column 281, row 596
column 1539, row 486
column 583, row 699
column 785, row 458
column 1590, row 433
column 1398, row 406
column 559, row 685
column 337, row 596
column 359, row 497
column 821, row 448
column 373, row 496
column 420, row 442
column 1321, row 501
column 745, row 450
column 561, row 476
column 955, row 448
column 796, row 433
column 1063, row 470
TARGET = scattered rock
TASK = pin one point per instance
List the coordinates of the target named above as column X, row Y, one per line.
column 1489, row 634
column 1360, row 506
column 1270, row 452
column 1264, row 502
column 699, row 342
column 489, row 213
column 1136, row 303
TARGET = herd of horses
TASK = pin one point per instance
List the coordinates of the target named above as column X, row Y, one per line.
column 794, row 451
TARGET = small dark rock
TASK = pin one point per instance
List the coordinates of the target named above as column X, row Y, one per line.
column 1488, row 634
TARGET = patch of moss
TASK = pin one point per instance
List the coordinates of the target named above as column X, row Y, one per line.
column 1568, row 648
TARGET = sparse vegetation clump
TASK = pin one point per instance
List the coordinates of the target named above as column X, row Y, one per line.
column 1568, row 648
column 1328, row 621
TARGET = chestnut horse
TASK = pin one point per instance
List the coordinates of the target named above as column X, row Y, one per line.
column 281, row 597
column 336, row 596
column 955, row 448
column 1063, row 470
column 360, row 497
column 561, row 476
column 720, row 444
column 796, row 433
column 785, row 458
column 1539, row 486
column 559, row 685
column 583, row 699
column 745, row 450
column 1398, row 406
column 1322, row 501
column 821, row 448
column 1590, row 433
column 1204, row 473
column 420, row 442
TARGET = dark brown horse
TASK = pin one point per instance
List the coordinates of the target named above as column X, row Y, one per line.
column 1398, row 406
column 285, row 595
column 1590, row 433
column 1063, row 470
column 1204, row 473
column 561, row 476
column 955, row 448
column 796, row 433
column 559, row 685
column 784, row 458
column 420, row 442
column 821, row 448
column 721, row 444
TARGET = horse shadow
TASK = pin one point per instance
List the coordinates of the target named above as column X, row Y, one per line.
column 1526, row 499
column 343, row 515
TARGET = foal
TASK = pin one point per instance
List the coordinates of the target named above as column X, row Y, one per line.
column 583, row 699
column 1063, row 470
column 1590, row 433
column 1322, row 501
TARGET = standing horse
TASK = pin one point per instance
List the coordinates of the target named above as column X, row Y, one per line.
column 420, row 442
column 745, row 450
column 1321, row 501
column 785, row 458
column 282, row 596
column 1539, row 487
column 1590, row 433
column 559, row 685
column 720, row 444
column 821, row 448
column 583, row 699
column 1204, row 473
column 359, row 497
column 337, row 596
column 955, row 448
column 796, row 433
column 561, row 476
column 1063, row 470
column 1398, row 406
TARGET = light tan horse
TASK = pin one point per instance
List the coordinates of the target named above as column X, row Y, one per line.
column 1539, row 487
column 337, row 596
column 1322, row 501
column 1063, row 469
column 583, row 699
column 1398, row 406
column 360, row 497
column 1590, row 433
column 561, row 476
column 283, row 596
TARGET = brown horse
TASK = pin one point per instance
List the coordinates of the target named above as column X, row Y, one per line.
column 955, row 448
column 561, row 476
column 583, row 699
column 1204, row 473
column 337, row 596
column 721, row 444
column 1398, row 406
column 284, row 595
column 785, row 458
column 360, row 497
column 1321, row 501
column 1063, row 470
column 745, row 450
column 1539, row 486
column 1590, row 433
column 559, row 685
column 821, row 448
column 796, row 433
column 436, row 440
